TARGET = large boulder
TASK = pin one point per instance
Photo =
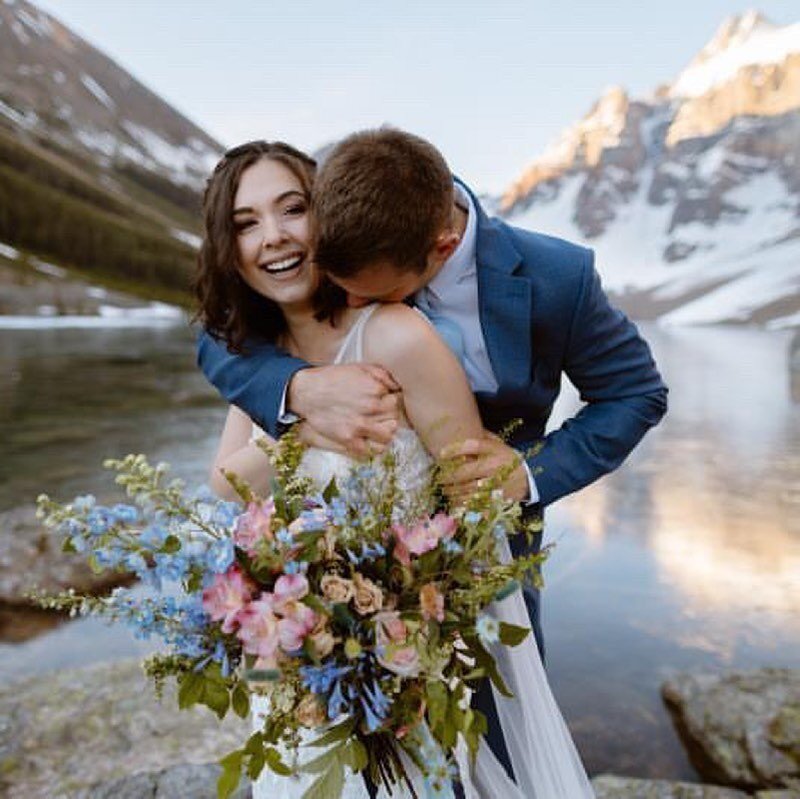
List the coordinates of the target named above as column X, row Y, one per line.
column 609, row 786
column 185, row 781
column 741, row 728
column 65, row 733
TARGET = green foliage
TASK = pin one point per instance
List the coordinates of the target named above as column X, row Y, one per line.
column 61, row 211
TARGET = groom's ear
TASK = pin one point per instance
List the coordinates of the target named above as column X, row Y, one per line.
column 444, row 246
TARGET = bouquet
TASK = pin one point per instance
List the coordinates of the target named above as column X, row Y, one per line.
column 362, row 614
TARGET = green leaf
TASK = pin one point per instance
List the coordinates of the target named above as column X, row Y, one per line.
column 194, row 583
column 216, row 697
column 190, row 689
column 256, row 764
column 512, row 634
column 240, row 701
column 343, row 616
column 171, row 544
column 323, row 761
column 329, row 785
column 273, row 758
column 484, row 660
column 315, row 603
column 355, row 756
column 436, row 694
column 339, row 732
column 231, row 774
column 331, row 490
column 68, row 546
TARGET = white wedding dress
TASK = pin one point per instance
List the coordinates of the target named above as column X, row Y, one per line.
column 545, row 761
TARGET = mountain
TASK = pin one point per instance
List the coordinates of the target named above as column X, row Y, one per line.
column 690, row 197
column 97, row 172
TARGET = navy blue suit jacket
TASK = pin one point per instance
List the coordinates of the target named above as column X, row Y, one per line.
column 543, row 313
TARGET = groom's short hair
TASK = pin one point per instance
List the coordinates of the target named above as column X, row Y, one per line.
column 380, row 196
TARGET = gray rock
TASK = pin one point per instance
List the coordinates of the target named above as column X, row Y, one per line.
column 186, row 781
column 741, row 728
column 66, row 733
column 609, row 786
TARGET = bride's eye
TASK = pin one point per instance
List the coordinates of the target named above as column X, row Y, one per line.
column 296, row 209
column 243, row 225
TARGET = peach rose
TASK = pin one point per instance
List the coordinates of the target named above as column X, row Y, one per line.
column 368, row 597
column 431, row 602
column 336, row 588
column 310, row 712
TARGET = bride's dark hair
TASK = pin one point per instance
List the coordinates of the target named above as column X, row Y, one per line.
column 227, row 307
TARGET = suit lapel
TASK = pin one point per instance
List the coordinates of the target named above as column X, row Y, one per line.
column 505, row 302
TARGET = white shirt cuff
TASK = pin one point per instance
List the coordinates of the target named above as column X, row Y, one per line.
column 284, row 416
column 533, row 492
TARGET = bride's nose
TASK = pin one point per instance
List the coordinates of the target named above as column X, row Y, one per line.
column 273, row 233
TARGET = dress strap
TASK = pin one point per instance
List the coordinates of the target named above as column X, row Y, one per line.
column 352, row 349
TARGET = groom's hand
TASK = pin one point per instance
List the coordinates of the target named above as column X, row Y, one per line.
column 352, row 408
column 469, row 462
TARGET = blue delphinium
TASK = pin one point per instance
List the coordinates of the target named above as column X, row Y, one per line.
column 320, row 679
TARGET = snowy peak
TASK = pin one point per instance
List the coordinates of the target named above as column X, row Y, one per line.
column 735, row 31
column 690, row 198
column 741, row 41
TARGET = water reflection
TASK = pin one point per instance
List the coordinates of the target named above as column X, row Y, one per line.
column 686, row 558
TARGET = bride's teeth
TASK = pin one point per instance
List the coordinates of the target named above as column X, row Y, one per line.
column 285, row 264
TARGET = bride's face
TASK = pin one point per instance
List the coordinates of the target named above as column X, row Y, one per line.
column 271, row 219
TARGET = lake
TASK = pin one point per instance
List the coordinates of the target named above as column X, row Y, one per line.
column 688, row 557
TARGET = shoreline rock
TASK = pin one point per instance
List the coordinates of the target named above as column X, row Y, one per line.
column 740, row 728
column 67, row 732
column 31, row 557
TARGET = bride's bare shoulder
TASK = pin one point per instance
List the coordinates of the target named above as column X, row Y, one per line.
column 397, row 331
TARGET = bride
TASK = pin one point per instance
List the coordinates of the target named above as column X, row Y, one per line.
column 257, row 281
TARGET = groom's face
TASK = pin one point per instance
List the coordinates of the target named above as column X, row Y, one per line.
column 383, row 281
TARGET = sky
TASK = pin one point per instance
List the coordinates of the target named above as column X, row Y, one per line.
column 490, row 83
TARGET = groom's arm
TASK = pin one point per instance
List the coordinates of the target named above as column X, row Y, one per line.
column 350, row 408
column 255, row 382
column 611, row 366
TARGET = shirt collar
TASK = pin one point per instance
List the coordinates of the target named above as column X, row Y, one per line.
column 462, row 263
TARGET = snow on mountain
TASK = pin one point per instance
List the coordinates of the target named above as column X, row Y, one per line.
column 690, row 198
column 56, row 85
column 740, row 42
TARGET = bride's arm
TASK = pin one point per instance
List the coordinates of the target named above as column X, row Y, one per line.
column 437, row 398
column 238, row 454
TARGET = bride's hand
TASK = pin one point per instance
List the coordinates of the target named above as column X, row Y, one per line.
column 469, row 462
column 351, row 408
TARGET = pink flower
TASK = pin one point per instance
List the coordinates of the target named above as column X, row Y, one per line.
column 254, row 525
column 258, row 629
column 298, row 621
column 289, row 588
column 422, row 537
column 393, row 651
column 227, row 595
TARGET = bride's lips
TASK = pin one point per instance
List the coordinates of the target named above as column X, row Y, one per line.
column 283, row 265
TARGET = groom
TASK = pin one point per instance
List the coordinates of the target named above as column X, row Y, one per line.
column 520, row 308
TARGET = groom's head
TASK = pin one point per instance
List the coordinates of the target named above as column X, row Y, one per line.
column 384, row 214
